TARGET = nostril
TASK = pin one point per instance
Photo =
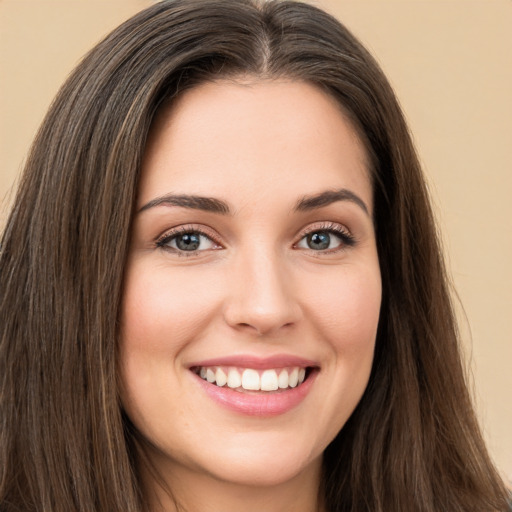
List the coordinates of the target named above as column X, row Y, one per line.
column 259, row 328
column 263, row 326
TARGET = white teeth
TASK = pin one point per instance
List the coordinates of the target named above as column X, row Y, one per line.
column 254, row 380
column 220, row 377
column 210, row 375
column 251, row 380
column 269, row 380
column 234, row 379
column 283, row 379
column 293, row 378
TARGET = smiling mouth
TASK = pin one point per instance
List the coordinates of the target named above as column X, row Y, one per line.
column 253, row 380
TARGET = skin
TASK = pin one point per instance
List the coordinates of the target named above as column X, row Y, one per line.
column 254, row 287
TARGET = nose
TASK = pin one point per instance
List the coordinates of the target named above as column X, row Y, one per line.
column 262, row 299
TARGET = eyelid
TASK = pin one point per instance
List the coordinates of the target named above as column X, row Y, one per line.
column 326, row 225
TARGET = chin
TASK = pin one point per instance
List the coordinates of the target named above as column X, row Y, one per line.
column 263, row 462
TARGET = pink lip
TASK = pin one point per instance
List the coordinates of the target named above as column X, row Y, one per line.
column 263, row 404
column 257, row 363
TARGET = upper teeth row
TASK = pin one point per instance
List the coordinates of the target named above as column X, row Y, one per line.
column 252, row 380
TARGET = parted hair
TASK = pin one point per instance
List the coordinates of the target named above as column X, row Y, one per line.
column 412, row 444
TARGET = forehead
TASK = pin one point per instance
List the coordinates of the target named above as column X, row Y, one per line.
column 223, row 137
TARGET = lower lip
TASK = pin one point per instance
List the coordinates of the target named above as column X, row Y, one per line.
column 263, row 404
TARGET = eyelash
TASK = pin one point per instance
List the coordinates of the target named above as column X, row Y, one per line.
column 163, row 241
column 346, row 238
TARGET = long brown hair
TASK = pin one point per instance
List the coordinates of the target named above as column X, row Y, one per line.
column 412, row 444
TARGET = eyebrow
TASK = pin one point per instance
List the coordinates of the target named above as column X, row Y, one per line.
column 211, row 204
column 328, row 197
column 208, row 204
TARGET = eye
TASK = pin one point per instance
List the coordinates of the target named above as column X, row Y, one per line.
column 186, row 241
column 319, row 241
column 326, row 239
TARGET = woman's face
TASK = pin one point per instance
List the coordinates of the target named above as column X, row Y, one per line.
column 253, row 287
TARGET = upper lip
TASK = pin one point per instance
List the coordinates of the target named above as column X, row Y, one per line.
column 257, row 362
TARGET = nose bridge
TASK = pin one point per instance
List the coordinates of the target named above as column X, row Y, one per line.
column 262, row 298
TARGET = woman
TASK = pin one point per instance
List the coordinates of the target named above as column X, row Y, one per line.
column 221, row 283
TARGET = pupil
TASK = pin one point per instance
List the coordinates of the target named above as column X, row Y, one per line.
column 319, row 240
column 188, row 242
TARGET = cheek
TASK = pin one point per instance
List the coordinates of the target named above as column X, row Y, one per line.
column 344, row 310
column 345, row 305
column 162, row 310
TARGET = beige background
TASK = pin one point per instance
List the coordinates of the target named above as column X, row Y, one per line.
column 451, row 65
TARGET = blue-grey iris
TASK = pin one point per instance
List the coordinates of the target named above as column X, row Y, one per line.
column 319, row 240
column 188, row 241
